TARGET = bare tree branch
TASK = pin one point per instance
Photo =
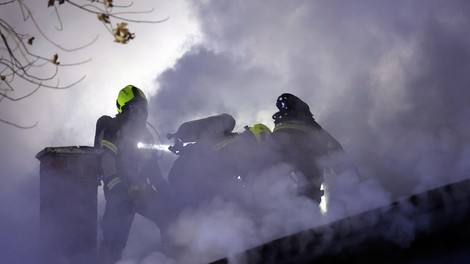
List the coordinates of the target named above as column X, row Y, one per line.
column 8, row 2
column 104, row 14
column 24, row 70
column 18, row 126
column 22, row 97
column 51, row 41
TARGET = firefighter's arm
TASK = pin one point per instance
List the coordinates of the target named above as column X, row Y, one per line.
column 109, row 167
column 101, row 124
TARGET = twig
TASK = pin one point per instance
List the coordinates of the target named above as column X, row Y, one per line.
column 18, row 126
column 22, row 97
column 51, row 41
column 8, row 2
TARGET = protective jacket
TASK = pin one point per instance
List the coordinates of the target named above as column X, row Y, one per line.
column 307, row 147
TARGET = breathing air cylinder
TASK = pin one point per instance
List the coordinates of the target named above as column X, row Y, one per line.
column 194, row 130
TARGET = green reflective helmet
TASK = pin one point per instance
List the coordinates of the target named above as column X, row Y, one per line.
column 260, row 131
column 129, row 95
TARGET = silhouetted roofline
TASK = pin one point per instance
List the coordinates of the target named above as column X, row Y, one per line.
column 429, row 226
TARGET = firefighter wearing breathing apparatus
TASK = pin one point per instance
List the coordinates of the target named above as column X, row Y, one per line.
column 133, row 182
column 214, row 160
column 301, row 142
column 192, row 173
column 237, row 160
column 246, row 154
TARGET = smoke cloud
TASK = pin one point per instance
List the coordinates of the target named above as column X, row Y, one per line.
column 389, row 80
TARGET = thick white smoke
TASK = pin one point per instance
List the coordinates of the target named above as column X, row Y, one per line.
column 388, row 80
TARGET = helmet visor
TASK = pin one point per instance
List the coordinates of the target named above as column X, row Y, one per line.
column 281, row 103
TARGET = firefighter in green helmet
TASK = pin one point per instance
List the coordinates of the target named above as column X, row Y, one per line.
column 133, row 182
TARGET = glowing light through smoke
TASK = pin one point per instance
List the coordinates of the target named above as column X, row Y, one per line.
column 163, row 147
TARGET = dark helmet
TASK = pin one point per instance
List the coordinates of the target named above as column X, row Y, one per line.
column 287, row 102
column 290, row 108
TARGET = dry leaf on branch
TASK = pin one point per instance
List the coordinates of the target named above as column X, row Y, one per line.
column 51, row 2
column 108, row 3
column 122, row 34
column 103, row 18
column 54, row 59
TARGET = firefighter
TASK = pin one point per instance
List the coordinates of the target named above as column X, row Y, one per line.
column 310, row 150
column 218, row 160
column 190, row 177
column 132, row 179
column 236, row 159
column 246, row 154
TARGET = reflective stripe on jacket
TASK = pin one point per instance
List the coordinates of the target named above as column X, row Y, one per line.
column 301, row 126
